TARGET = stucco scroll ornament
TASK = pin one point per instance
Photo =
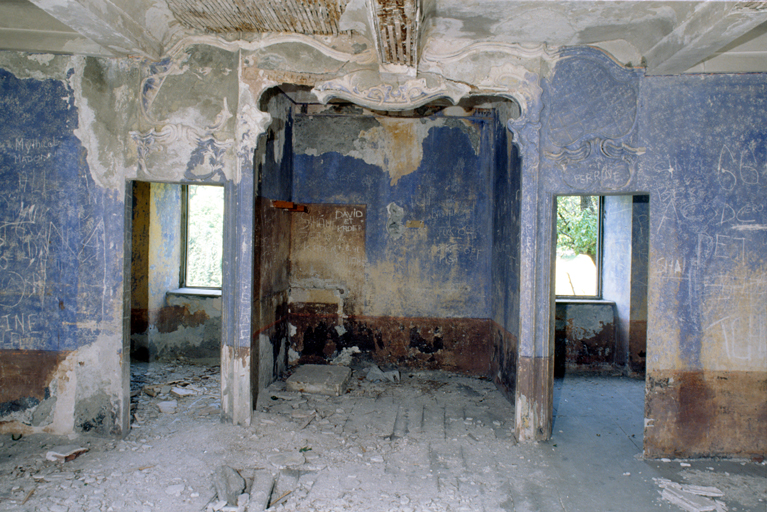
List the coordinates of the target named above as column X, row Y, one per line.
column 368, row 90
column 614, row 169
column 164, row 135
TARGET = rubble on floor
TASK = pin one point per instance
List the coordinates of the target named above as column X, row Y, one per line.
column 431, row 442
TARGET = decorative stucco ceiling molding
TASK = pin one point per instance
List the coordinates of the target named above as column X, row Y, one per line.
column 369, row 90
column 711, row 26
column 522, row 51
column 108, row 23
column 501, row 69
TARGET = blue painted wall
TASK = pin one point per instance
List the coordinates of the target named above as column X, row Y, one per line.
column 706, row 164
column 441, row 269
column 505, row 239
column 505, row 259
column 55, row 223
column 696, row 145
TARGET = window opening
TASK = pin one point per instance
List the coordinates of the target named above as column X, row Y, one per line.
column 203, row 231
column 579, row 246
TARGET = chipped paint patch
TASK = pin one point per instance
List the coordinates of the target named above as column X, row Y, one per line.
column 41, row 58
column 105, row 162
column 85, row 394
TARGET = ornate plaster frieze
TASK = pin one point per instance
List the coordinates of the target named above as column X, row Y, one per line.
column 612, row 168
column 590, row 121
column 165, row 135
column 367, row 89
column 501, row 69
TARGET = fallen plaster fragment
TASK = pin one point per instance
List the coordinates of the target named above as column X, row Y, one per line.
column 693, row 498
column 168, row 407
column 282, row 460
column 183, row 392
column 65, row 453
column 346, row 355
column 319, row 379
column 375, row 374
column 175, row 490
column 261, row 491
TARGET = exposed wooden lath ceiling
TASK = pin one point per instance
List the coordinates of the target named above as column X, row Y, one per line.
column 316, row 17
column 397, row 24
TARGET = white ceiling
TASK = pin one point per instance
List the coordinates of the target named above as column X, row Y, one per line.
column 665, row 37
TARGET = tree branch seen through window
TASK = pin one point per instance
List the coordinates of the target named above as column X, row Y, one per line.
column 204, row 235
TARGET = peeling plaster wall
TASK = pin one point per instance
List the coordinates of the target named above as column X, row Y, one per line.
column 427, row 186
column 61, row 126
column 187, row 124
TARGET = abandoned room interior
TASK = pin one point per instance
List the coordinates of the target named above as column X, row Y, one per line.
column 384, row 183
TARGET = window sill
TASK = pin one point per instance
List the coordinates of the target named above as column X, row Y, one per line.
column 199, row 292
column 575, row 300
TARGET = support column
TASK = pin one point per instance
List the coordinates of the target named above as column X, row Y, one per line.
column 535, row 361
column 239, row 352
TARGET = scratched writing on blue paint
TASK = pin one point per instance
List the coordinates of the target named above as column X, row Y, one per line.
column 30, row 151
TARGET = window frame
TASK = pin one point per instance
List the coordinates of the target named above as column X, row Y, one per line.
column 598, row 258
column 184, row 256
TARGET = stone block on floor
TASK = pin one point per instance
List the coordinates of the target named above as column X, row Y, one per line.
column 319, row 379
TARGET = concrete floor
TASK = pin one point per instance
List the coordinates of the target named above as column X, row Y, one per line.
column 434, row 442
column 594, row 457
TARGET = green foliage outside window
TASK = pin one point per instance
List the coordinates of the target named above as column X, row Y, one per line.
column 205, row 236
column 577, row 225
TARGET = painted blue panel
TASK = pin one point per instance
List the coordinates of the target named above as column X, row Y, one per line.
column 589, row 123
column 706, row 168
column 54, row 222
column 506, row 230
column 450, row 192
